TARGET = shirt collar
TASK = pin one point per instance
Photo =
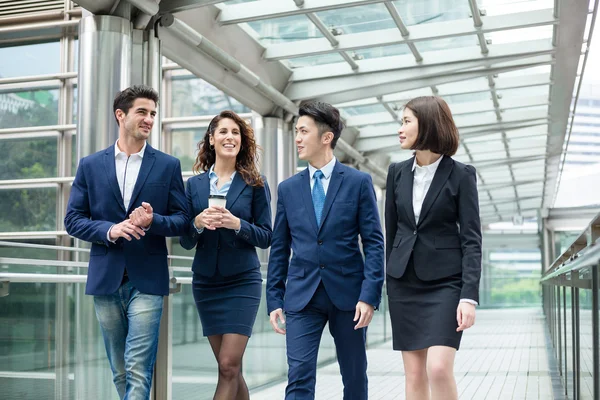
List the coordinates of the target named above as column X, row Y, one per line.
column 212, row 174
column 119, row 151
column 431, row 167
column 327, row 169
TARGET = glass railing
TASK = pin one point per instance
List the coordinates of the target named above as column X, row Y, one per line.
column 570, row 299
column 51, row 346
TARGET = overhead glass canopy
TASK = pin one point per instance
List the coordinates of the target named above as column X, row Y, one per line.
column 506, row 68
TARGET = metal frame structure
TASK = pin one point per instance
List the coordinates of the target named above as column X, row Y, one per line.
column 576, row 270
column 218, row 41
column 512, row 128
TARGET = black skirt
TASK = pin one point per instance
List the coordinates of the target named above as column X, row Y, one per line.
column 423, row 313
column 228, row 304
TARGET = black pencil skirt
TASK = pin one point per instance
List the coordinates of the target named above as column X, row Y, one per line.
column 423, row 313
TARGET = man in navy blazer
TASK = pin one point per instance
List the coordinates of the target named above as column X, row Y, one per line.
column 321, row 211
column 125, row 200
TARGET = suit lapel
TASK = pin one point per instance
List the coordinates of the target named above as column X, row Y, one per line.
column 307, row 198
column 439, row 179
column 406, row 191
column 337, row 176
column 145, row 168
column 111, row 174
column 237, row 186
column 203, row 190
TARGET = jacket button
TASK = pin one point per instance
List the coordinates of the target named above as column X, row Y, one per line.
column 320, row 242
column 414, row 232
column 322, row 266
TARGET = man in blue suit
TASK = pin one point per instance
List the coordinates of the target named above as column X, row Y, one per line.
column 125, row 200
column 321, row 211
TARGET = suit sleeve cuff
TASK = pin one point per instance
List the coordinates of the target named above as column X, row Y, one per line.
column 198, row 230
column 108, row 235
column 469, row 301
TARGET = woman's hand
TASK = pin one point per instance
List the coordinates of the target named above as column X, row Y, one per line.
column 465, row 316
column 228, row 220
column 209, row 218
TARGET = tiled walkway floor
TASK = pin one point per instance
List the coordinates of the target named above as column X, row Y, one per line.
column 502, row 357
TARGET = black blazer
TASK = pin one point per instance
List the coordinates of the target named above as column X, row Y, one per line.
column 447, row 239
column 222, row 248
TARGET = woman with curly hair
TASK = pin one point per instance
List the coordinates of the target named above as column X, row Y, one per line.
column 227, row 282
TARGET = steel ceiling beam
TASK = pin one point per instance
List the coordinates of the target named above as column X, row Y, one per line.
column 452, row 59
column 568, row 37
column 418, row 33
column 268, row 9
column 172, row 6
column 344, row 89
column 464, row 87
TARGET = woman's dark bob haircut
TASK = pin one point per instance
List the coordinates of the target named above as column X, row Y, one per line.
column 437, row 131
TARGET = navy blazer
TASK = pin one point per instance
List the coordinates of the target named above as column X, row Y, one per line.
column 330, row 252
column 222, row 248
column 447, row 239
column 96, row 204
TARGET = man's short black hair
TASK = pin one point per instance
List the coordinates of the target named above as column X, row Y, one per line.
column 326, row 117
column 125, row 98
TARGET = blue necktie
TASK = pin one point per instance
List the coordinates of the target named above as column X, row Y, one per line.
column 318, row 195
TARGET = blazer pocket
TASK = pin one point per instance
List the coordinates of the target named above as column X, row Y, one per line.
column 155, row 184
column 447, row 242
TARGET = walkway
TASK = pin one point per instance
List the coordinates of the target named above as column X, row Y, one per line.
column 502, row 357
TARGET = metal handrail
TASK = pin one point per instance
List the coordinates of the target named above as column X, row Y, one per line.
column 63, row 278
column 582, row 252
column 587, row 260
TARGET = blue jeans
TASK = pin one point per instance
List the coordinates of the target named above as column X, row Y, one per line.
column 130, row 322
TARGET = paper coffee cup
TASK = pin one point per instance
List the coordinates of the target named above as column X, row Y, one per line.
column 215, row 200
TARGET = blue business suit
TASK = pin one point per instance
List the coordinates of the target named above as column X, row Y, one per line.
column 227, row 281
column 96, row 204
column 327, row 253
column 223, row 249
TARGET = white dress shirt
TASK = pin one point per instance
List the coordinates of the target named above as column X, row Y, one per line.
column 423, row 176
column 127, row 170
column 327, row 170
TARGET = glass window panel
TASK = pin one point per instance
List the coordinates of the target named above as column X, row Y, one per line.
column 534, row 151
column 542, row 69
column 428, row 11
column 467, row 98
column 512, row 278
column 541, row 90
column 531, row 203
column 490, row 145
column 75, row 99
column 194, row 96
column 321, row 59
column 28, row 210
column 31, row 59
column 499, row 7
column 358, row 19
column 477, row 84
column 37, row 254
column 30, row 108
column 482, row 138
column 286, row 29
column 517, row 35
column 28, row 158
column 384, row 51
column 184, row 145
column 447, row 43
column 360, row 110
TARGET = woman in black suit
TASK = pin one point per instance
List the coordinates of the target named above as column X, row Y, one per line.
column 433, row 249
column 227, row 282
